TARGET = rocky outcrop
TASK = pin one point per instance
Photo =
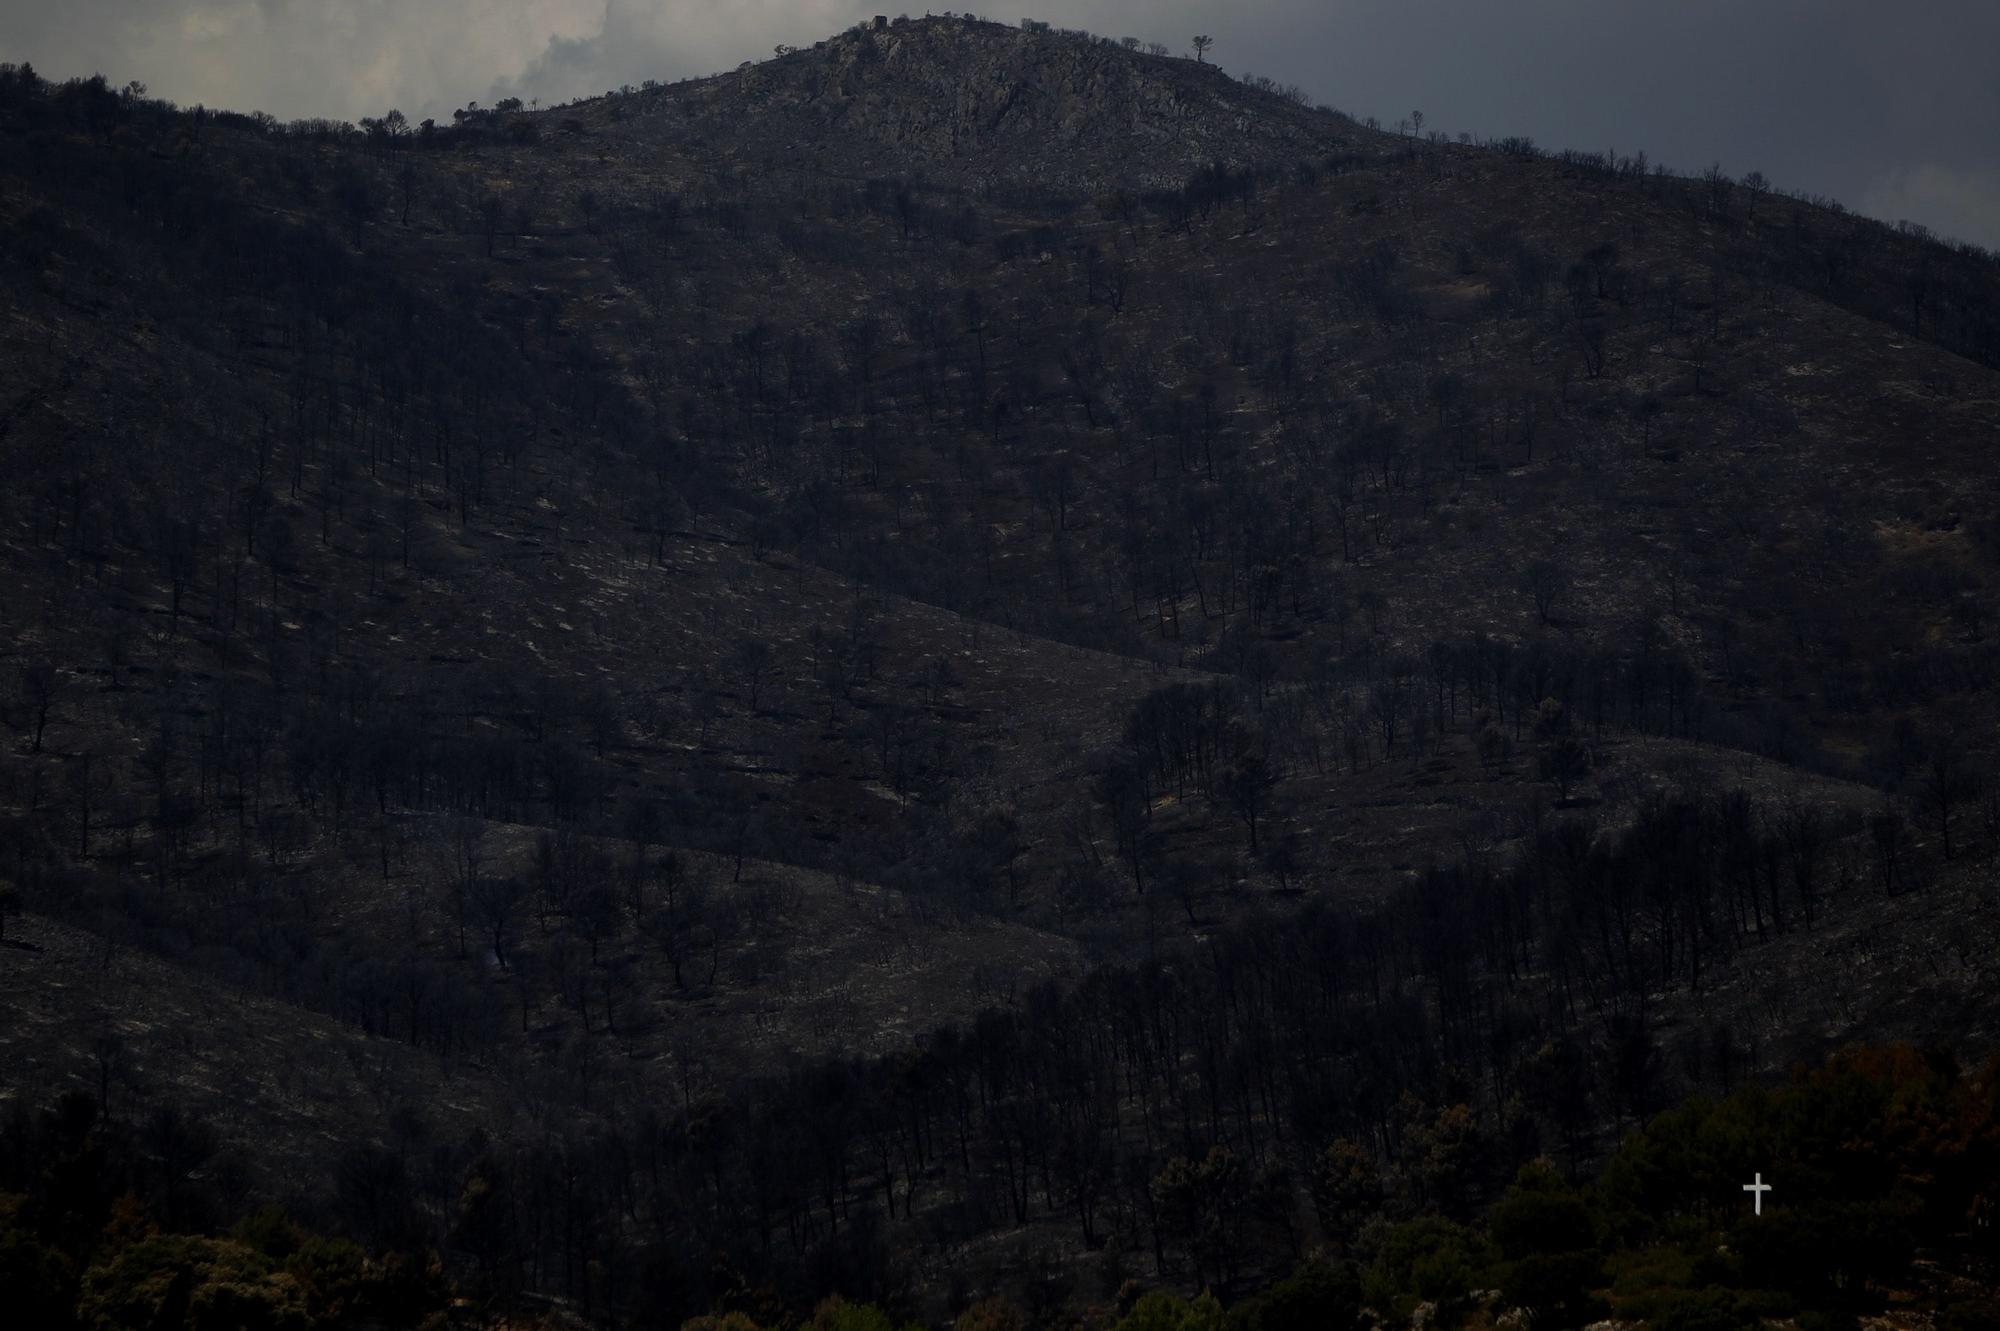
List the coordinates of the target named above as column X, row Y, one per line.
column 965, row 101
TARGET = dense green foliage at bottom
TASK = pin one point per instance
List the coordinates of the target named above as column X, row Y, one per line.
column 1885, row 1167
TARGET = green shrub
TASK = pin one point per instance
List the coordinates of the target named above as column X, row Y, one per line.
column 1820, row 1319
column 35, row 1280
column 1639, row 1271
column 1763, row 1304
column 1161, row 1311
column 203, row 1284
column 1556, row 1289
column 733, row 1321
column 837, row 1314
column 990, row 1314
column 1548, row 1240
column 1710, row 1309
column 1969, row 1315
column 1429, row 1259
column 1541, row 1214
column 1316, row 1297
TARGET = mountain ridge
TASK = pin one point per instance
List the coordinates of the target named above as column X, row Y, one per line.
column 969, row 102
column 741, row 619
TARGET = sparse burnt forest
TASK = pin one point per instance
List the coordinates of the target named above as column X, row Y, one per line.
column 784, row 685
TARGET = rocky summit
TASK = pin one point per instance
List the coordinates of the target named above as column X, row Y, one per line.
column 969, row 102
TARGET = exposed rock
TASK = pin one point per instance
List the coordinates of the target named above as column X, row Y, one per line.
column 953, row 99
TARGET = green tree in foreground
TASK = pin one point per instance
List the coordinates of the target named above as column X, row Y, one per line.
column 183, row 1280
column 1547, row 1240
column 1319, row 1296
column 1429, row 1260
column 1347, row 1190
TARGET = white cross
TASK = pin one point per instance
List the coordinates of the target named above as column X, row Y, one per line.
column 1757, row 1191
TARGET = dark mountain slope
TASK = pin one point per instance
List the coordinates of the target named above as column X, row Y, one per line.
column 655, row 598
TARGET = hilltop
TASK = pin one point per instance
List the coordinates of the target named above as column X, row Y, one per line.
column 899, row 639
column 980, row 105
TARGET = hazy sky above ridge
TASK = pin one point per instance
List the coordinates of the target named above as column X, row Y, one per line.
column 1893, row 109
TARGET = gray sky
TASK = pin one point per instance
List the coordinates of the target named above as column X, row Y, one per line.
column 1892, row 108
